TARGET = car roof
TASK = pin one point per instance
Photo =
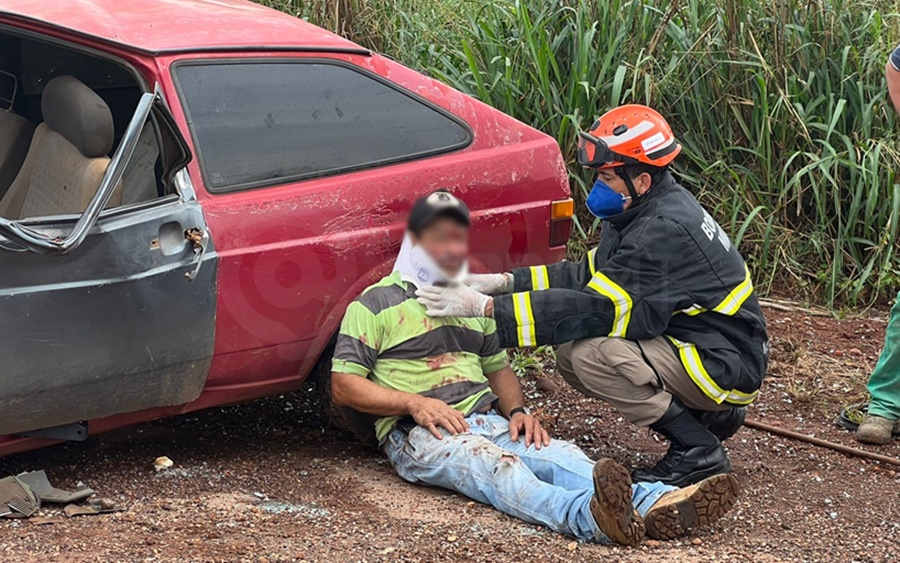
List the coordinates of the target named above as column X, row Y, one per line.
column 168, row 26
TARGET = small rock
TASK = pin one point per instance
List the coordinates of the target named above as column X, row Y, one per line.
column 572, row 546
column 162, row 463
column 546, row 385
column 452, row 539
column 696, row 541
column 387, row 551
column 651, row 543
column 106, row 503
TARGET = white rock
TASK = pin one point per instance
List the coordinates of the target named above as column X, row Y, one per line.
column 162, row 463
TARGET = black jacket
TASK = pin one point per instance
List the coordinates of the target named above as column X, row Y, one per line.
column 662, row 268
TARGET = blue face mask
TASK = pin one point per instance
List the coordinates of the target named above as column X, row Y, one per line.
column 604, row 202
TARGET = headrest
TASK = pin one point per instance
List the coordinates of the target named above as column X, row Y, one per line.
column 77, row 113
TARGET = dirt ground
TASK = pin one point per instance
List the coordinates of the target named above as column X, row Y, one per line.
column 268, row 482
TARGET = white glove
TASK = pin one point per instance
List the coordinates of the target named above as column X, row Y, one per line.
column 454, row 301
column 491, row 284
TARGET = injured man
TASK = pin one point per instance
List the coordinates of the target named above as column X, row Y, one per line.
column 453, row 413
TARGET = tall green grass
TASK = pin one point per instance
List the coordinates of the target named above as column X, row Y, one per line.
column 781, row 106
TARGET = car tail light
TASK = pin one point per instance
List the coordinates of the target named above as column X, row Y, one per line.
column 561, row 213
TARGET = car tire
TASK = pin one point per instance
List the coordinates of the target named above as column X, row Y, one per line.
column 360, row 425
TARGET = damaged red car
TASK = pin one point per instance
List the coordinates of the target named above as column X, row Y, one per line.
column 192, row 192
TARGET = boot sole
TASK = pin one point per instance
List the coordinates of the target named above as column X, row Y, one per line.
column 698, row 505
column 613, row 509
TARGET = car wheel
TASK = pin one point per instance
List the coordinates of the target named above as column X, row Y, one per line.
column 360, row 425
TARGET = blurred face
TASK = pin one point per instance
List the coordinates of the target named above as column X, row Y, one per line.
column 614, row 181
column 447, row 242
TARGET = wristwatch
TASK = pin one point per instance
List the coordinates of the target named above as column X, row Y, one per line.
column 513, row 412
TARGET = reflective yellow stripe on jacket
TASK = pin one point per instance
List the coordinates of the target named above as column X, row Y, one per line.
column 540, row 278
column 732, row 303
column 524, row 318
column 693, row 365
column 620, row 298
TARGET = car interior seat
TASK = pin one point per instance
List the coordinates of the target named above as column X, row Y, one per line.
column 68, row 154
column 15, row 136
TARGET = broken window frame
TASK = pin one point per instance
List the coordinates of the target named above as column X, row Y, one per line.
column 174, row 155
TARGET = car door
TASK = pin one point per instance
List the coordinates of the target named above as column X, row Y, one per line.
column 113, row 310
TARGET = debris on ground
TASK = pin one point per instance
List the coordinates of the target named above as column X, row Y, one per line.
column 45, row 520
column 17, row 500
column 98, row 506
column 22, row 495
column 162, row 463
column 38, row 482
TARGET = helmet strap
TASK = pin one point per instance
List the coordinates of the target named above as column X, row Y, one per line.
column 635, row 198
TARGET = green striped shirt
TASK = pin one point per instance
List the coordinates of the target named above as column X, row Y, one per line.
column 387, row 337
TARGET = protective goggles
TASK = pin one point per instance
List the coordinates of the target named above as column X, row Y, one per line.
column 595, row 153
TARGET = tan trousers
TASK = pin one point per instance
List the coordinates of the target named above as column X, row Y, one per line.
column 617, row 371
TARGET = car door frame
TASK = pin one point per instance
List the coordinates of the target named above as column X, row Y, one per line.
column 178, row 359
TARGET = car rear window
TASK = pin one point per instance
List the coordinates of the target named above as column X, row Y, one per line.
column 261, row 123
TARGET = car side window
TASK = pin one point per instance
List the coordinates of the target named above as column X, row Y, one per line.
column 64, row 114
column 258, row 123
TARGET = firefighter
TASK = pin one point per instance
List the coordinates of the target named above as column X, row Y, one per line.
column 660, row 319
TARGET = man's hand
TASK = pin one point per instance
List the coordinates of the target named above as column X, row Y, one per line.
column 433, row 414
column 490, row 284
column 455, row 301
column 530, row 426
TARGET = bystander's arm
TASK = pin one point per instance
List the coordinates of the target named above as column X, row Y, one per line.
column 893, row 78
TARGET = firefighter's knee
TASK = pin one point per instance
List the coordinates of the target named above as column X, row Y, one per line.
column 564, row 358
column 583, row 361
column 591, row 352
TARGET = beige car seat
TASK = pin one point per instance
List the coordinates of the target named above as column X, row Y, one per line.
column 68, row 154
column 15, row 137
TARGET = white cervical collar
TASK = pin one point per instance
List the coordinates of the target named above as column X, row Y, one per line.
column 419, row 268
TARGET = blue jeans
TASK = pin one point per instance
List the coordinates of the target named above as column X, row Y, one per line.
column 552, row 486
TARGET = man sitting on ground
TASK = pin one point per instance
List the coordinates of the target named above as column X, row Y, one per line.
column 453, row 412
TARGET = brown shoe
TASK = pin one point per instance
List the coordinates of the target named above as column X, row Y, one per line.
column 611, row 505
column 875, row 430
column 698, row 505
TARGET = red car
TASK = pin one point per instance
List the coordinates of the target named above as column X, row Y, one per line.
column 191, row 194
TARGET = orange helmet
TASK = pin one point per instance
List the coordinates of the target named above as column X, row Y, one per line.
column 629, row 134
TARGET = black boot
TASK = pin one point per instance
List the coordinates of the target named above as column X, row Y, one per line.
column 694, row 452
column 724, row 424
